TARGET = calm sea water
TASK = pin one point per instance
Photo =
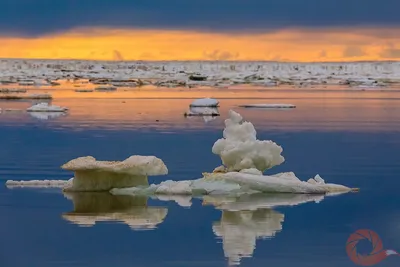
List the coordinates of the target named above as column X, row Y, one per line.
column 347, row 137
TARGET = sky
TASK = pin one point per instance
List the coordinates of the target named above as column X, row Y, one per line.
column 278, row 30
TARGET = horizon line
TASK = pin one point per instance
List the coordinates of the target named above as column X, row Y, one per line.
column 199, row 61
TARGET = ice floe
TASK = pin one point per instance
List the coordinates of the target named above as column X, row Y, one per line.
column 93, row 175
column 244, row 160
column 45, row 107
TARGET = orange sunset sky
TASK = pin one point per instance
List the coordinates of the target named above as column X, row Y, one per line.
column 284, row 30
column 283, row 45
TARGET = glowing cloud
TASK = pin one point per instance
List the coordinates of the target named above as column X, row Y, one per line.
column 286, row 45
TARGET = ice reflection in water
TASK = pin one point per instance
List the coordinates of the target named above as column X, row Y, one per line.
column 90, row 208
column 47, row 115
column 251, row 217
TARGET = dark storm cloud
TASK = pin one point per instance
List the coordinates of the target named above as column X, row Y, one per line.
column 37, row 17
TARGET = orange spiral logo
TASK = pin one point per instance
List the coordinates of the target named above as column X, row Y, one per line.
column 377, row 254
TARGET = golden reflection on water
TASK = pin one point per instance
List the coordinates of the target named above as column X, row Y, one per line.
column 163, row 108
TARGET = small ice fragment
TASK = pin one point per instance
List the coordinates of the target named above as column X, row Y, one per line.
column 205, row 102
column 319, row 179
column 268, row 106
column 45, row 107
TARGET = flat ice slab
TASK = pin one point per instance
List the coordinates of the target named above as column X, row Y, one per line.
column 237, row 183
column 45, row 107
column 268, row 106
column 205, row 102
column 280, row 183
column 38, row 183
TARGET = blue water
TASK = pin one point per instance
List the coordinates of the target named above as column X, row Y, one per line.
column 34, row 233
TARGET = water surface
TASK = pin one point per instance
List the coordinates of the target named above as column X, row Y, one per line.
column 346, row 137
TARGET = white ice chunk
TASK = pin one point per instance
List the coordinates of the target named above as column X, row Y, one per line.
column 240, row 149
column 205, row 102
column 45, row 107
column 268, row 106
column 93, row 175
